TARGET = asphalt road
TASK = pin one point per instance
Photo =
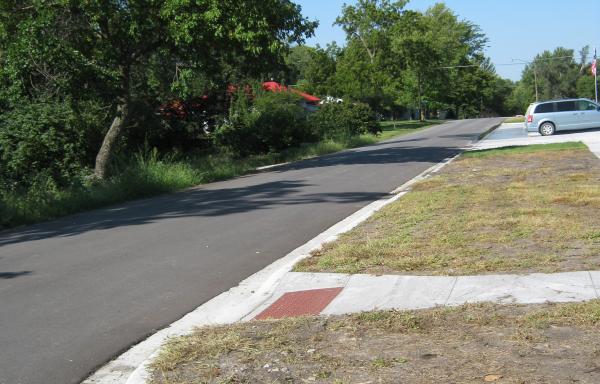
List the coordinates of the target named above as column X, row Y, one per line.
column 77, row 291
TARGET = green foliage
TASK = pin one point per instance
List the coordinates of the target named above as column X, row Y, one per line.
column 585, row 86
column 273, row 121
column 314, row 69
column 368, row 68
column 147, row 173
column 344, row 120
column 41, row 143
column 127, row 55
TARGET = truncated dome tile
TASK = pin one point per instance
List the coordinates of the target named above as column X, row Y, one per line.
column 299, row 303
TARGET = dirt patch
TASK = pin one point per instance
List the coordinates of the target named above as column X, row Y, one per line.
column 516, row 212
column 550, row 343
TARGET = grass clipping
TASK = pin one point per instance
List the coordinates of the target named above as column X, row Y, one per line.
column 521, row 209
column 471, row 343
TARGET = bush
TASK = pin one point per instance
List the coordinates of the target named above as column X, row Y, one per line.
column 41, row 143
column 342, row 121
column 270, row 123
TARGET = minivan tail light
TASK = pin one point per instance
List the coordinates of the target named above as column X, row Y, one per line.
column 529, row 118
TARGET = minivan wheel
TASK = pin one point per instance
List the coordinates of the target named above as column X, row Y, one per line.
column 547, row 129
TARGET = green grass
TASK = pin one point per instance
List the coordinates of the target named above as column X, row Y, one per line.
column 516, row 119
column 399, row 128
column 150, row 174
column 522, row 209
column 524, row 149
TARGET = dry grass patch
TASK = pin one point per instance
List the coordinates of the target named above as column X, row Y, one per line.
column 520, row 209
column 548, row 343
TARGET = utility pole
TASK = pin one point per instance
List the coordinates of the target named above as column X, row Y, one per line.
column 534, row 75
column 535, row 81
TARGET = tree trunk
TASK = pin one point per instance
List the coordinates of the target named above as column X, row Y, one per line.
column 421, row 115
column 106, row 150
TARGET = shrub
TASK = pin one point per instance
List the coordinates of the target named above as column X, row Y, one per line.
column 41, row 143
column 344, row 120
column 273, row 121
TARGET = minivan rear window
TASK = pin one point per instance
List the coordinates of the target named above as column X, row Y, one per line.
column 565, row 106
column 544, row 108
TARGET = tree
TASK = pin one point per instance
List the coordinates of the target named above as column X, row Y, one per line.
column 367, row 65
column 313, row 69
column 556, row 73
column 431, row 45
column 109, row 46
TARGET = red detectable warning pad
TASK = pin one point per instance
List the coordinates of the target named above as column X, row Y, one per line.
column 290, row 304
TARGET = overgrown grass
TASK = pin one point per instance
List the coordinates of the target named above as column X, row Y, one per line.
column 523, row 209
column 149, row 174
column 515, row 119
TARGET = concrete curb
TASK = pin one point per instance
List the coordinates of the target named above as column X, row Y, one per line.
column 484, row 134
column 238, row 302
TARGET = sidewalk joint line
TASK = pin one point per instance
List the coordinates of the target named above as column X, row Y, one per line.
column 451, row 290
column 593, row 285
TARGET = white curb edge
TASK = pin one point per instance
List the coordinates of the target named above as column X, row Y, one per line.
column 236, row 303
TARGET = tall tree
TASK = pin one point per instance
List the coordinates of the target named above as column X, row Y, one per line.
column 431, row 45
column 367, row 65
column 108, row 46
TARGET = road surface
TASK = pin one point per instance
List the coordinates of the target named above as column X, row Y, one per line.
column 77, row 291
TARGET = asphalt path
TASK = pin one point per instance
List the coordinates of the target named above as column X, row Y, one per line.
column 77, row 291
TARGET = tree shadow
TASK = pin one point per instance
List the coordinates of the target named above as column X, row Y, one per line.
column 211, row 200
column 12, row 275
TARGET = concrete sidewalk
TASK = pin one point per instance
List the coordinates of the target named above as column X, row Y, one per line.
column 510, row 134
column 360, row 292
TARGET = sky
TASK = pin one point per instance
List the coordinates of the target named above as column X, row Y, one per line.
column 516, row 29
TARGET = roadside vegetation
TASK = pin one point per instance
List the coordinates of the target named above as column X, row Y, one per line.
column 470, row 343
column 104, row 103
column 520, row 209
column 149, row 173
column 515, row 119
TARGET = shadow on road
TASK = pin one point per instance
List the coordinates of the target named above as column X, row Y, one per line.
column 12, row 275
column 203, row 201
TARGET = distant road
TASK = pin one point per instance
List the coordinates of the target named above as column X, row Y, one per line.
column 77, row 291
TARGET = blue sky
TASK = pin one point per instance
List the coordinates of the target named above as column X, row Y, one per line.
column 515, row 29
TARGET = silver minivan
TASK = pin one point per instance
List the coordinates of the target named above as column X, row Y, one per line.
column 547, row 117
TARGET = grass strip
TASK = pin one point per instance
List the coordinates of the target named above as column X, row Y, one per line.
column 515, row 119
column 504, row 151
column 514, row 210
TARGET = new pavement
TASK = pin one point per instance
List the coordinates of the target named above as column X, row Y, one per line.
column 77, row 291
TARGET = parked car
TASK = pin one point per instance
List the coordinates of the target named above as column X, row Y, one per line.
column 547, row 117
